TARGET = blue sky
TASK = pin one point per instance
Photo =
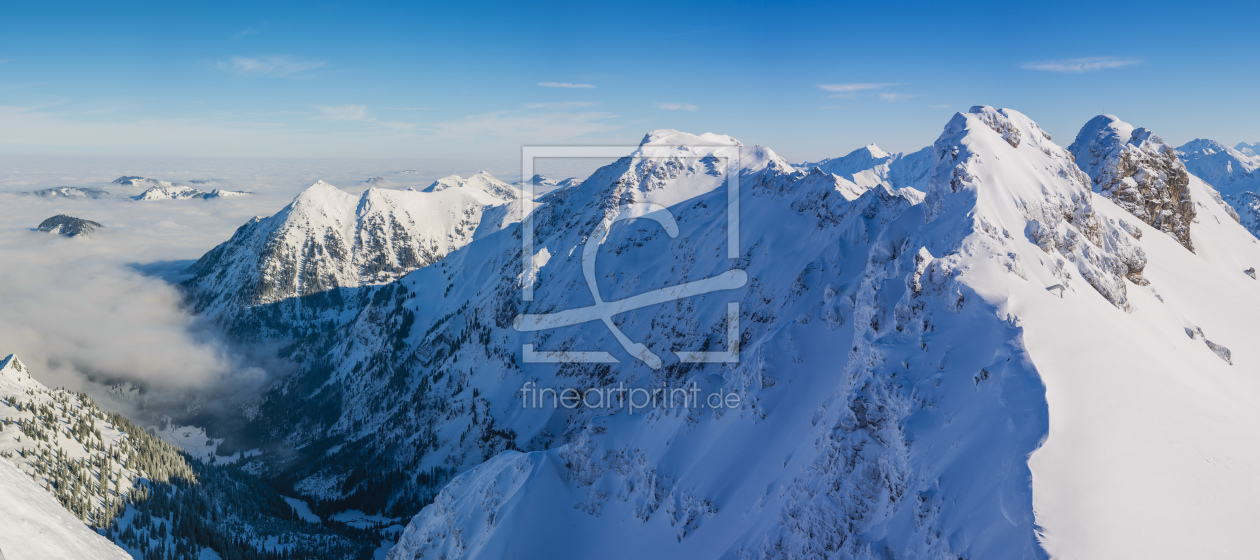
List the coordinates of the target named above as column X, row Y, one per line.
column 478, row 80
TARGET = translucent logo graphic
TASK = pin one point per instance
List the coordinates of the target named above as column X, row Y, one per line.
column 604, row 311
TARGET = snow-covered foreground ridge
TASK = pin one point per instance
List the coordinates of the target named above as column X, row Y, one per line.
column 33, row 526
column 42, row 431
column 66, row 467
column 1015, row 367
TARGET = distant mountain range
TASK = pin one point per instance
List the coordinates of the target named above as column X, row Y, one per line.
column 154, row 189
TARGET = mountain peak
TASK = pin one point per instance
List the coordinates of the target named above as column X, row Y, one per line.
column 1138, row 171
column 870, row 166
column 1013, row 126
column 1002, row 162
column 670, row 137
column 1204, row 146
column 319, row 189
column 13, row 364
column 321, row 185
column 1233, row 172
column 1104, row 126
column 68, row 226
column 481, row 181
column 1252, row 149
column 322, row 199
column 328, row 239
column 875, row 151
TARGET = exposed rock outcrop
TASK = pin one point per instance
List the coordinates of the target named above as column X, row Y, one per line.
column 1139, row 172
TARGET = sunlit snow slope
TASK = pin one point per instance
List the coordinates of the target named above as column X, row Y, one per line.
column 900, row 363
column 33, row 526
column 284, row 271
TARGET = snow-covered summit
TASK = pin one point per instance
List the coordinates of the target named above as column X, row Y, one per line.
column 328, row 239
column 139, row 181
column 12, row 366
column 1251, row 149
column 870, row 165
column 671, row 166
column 670, row 137
column 482, row 181
column 1137, row 170
column 69, row 192
column 541, row 184
column 68, row 226
column 181, row 192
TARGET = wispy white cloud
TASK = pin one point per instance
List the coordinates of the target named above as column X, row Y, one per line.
column 851, row 90
column 398, row 125
column 569, row 85
column 677, row 107
column 342, row 112
column 273, row 66
column 280, row 134
column 891, row 96
column 1079, row 65
column 248, row 31
column 561, row 105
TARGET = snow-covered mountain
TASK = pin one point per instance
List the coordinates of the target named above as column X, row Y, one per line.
column 180, row 192
column 143, row 182
column 69, row 192
column 1236, row 172
column 1247, row 206
column 900, row 363
column 480, row 182
column 1225, row 168
column 287, row 270
column 68, row 226
column 869, row 166
column 33, row 526
column 1252, row 149
column 543, row 184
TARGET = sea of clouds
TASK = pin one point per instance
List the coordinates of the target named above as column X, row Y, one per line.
column 102, row 312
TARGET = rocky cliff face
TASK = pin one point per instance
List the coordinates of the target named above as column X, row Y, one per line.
column 1138, row 171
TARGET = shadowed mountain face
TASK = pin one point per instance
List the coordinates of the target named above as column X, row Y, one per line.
column 68, row 226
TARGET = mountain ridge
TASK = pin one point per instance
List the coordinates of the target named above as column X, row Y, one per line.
column 327, row 240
